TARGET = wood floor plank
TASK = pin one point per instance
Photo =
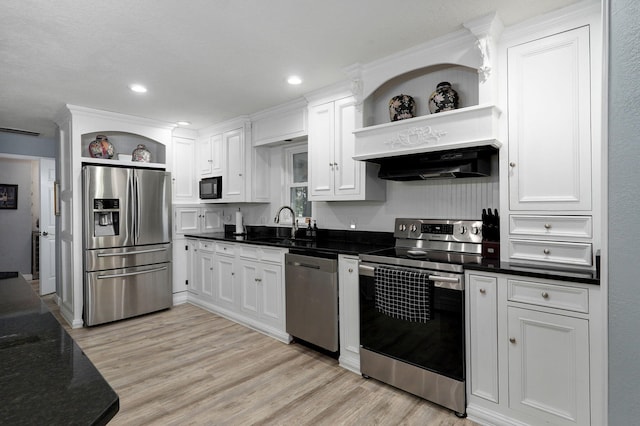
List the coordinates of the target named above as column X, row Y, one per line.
column 187, row 366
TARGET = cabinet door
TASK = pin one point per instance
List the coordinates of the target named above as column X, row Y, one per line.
column 321, row 156
column 195, row 283
column 549, row 366
column 347, row 171
column 205, row 159
column 206, row 273
column 271, row 295
column 183, row 173
column 227, row 292
column 192, row 275
column 249, row 296
column 483, row 337
column 180, row 265
column 234, row 160
column 187, row 219
column 349, row 306
column 211, row 221
column 549, row 123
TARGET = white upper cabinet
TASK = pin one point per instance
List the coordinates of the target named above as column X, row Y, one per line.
column 225, row 150
column 281, row 123
column 333, row 174
column 549, row 96
column 183, row 174
column 209, row 156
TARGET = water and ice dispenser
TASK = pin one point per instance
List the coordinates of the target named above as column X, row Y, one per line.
column 106, row 217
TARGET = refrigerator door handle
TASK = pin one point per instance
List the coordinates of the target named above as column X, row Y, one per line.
column 127, row 253
column 128, row 274
column 136, row 208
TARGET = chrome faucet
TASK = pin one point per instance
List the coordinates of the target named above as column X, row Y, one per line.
column 293, row 219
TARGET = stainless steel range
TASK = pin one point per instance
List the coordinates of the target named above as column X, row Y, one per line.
column 412, row 308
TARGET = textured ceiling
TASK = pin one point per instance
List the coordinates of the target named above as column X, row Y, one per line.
column 205, row 61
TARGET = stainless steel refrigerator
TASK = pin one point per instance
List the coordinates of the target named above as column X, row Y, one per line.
column 127, row 242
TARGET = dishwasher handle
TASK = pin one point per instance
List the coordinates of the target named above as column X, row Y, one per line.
column 304, row 265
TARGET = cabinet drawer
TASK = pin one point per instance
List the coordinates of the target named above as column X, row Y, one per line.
column 206, row 245
column 549, row 295
column 575, row 254
column 551, row 226
column 249, row 252
column 272, row 255
column 228, row 249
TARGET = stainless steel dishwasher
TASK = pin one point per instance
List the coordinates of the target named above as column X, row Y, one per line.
column 311, row 291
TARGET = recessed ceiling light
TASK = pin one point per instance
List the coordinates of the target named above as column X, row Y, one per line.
column 294, row 80
column 138, row 88
column 184, row 123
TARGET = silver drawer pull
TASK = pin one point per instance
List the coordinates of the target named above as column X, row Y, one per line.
column 512, row 339
column 127, row 253
column 129, row 274
column 546, row 251
column 545, row 295
column 483, row 291
column 547, row 226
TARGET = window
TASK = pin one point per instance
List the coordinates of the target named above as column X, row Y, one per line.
column 296, row 180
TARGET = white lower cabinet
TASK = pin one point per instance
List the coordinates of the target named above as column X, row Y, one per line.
column 349, row 310
column 204, row 270
column 549, row 366
column 227, row 290
column 241, row 282
column 532, row 351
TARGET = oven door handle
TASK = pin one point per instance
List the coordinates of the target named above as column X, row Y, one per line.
column 444, row 279
column 366, row 270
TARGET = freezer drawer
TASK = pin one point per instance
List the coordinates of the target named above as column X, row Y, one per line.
column 125, row 257
column 122, row 293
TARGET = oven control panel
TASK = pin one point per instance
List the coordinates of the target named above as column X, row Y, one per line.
column 467, row 231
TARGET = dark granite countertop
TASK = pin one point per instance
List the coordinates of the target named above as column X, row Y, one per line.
column 327, row 240
column 45, row 378
column 585, row 276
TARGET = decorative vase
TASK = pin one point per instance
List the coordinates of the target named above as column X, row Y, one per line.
column 401, row 107
column 141, row 154
column 443, row 99
column 101, row 147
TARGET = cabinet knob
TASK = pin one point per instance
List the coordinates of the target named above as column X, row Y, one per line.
column 544, row 295
column 546, row 251
column 335, row 164
column 512, row 164
column 330, row 164
column 483, row 291
column 512, row 339
column 209, row 161
column 350, row 270
column 547, row 226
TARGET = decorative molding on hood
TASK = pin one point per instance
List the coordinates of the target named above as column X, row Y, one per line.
column 462, row 128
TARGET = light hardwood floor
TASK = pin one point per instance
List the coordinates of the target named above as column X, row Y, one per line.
column 189, row 366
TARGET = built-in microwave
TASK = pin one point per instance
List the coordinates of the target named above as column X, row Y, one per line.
column 211, row 188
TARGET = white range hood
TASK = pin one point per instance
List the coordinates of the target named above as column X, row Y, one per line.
column 474, row 126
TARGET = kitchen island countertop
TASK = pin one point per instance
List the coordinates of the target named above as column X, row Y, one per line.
column 45, row 378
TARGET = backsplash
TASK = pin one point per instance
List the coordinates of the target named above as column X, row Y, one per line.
column 446, row 199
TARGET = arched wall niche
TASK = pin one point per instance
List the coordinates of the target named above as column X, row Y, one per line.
column 124, row 143
column 420, row 84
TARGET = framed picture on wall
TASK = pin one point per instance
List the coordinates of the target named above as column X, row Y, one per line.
column 8, row 196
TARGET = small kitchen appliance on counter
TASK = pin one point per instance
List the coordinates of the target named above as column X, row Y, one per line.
column 412, row 308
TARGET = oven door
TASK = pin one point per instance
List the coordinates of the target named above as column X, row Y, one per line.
column 436, row 345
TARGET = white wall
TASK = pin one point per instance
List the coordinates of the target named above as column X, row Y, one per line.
column 624, row 212
column 16, row 225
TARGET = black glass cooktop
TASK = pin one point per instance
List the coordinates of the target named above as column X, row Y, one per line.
column 421, row 258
